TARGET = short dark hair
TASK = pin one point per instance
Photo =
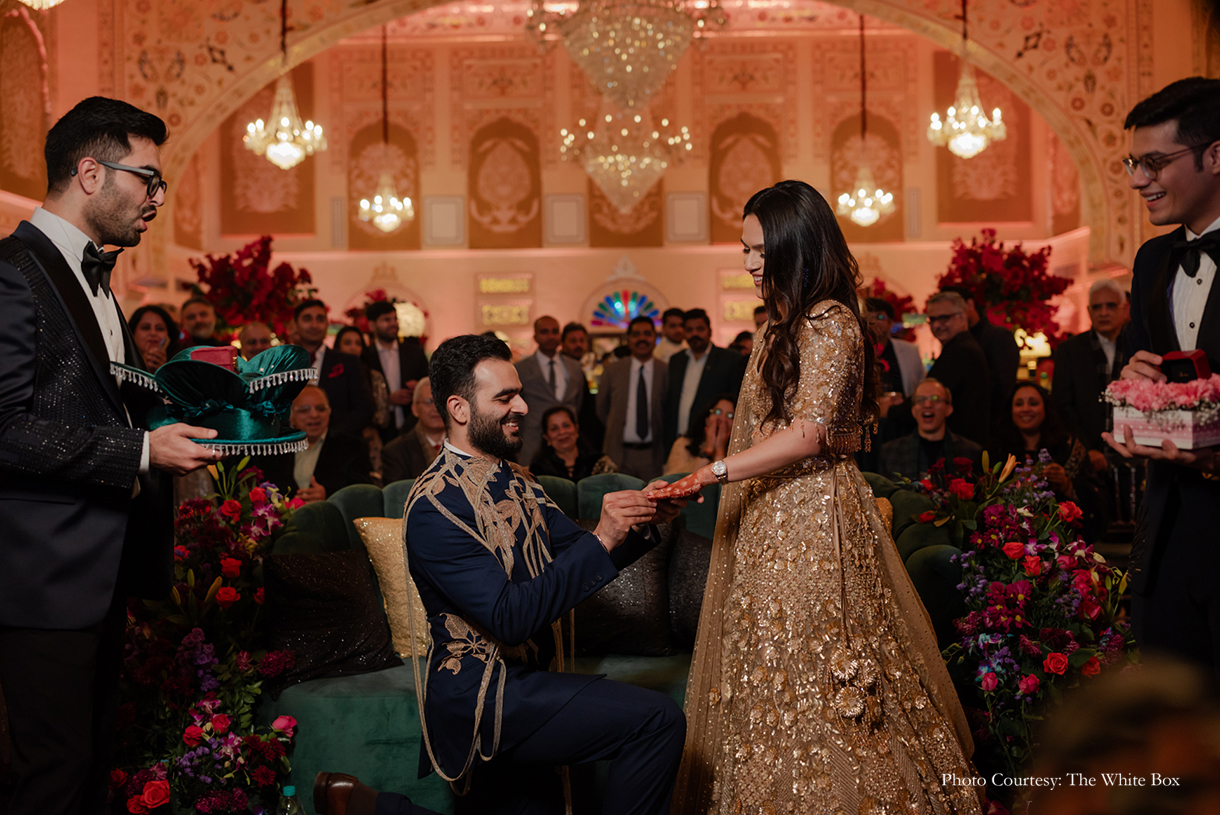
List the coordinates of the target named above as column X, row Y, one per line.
column 697, row 314
column 877, row 304
column 198, row 298
column 672, row 312
column 571, row 328
column 313, row 302
column 966, row 293
column 377, row 309
column 742, row 336
column 98, row 128
column 1193, row 102
column 642, row 319
column 451, row 370
column 760, row 310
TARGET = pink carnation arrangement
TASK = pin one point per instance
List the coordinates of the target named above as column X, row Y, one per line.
column 1153, row 397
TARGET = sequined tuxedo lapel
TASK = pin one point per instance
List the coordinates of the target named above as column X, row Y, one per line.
column 72, row 296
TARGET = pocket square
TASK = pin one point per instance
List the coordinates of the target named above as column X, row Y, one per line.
column 335, row 371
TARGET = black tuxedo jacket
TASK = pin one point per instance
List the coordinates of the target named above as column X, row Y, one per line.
column 73, row 534
column 722, row 373
column 344, row 460
column 412, row 366
column 1151, row 329
column 962, row 368
column 1079, row 386
column 351, row 403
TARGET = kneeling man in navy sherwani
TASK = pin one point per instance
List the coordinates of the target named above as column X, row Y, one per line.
column 497, row 565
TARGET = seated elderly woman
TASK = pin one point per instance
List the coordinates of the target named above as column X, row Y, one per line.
column 564, row 454
column 156, row 335
column 705, row 441
column 1030, row 425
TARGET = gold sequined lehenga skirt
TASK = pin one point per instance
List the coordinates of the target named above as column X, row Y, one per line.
column 817, row 686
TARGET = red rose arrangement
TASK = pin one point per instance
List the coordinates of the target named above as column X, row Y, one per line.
column 243, row 286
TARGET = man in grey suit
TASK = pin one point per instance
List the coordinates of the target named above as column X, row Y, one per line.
column 548, row 378
column 630, row 403
column 698, row 375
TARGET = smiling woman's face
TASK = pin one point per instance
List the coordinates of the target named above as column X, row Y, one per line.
column 752, row 249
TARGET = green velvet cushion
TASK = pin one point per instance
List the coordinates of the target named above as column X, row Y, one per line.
column 936, row 577
column 918, row 536
column 907, row 504
column 589, row 491
column 323, row 522
column 358, row 501
column 882, row 486
column 561, row 491
column 394, row 497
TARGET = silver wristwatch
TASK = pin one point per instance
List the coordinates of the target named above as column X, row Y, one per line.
column 721, row 471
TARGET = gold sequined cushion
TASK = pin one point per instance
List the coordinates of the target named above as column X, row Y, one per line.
column 887, row 512
column 323, row 608
column 630, row 615
column 383, row 539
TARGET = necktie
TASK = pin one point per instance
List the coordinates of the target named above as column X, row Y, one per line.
column 97, row 266
column 641, row 407
column 1189, row 253
column 553, row 379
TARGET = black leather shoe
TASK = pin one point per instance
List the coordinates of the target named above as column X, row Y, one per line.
column 341, row 794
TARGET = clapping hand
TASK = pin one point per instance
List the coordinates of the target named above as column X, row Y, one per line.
column 314, row 492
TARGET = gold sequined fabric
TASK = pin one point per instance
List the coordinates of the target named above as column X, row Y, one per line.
column 816, row 684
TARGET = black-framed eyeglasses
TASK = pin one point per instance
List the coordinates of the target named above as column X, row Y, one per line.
column 1152, row 165
column 156, row 183
column 943, row 318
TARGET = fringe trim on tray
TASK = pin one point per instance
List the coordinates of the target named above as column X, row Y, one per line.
column 255, row 448
column 271, row 380
column 141, row 378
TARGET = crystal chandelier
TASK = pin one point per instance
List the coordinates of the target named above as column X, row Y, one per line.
column 628, row 48
column 386, row 211
column 966, row 130
column 866, row 202
column 623, row 152
column 41, row 5
column 283, row 138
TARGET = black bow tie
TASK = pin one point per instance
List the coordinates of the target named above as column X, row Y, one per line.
column 1189, row 253
column 97, row 265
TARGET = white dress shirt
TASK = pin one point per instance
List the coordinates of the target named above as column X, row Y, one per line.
column 561, row 372
column 690, row 384
column 388, row 354
column 71, row 243
column 1189, row 295
column 305, row 464
column 1109, row 348
column 666, row 348
column 633, row 382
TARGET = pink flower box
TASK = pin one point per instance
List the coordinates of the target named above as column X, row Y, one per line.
column 1187, row 429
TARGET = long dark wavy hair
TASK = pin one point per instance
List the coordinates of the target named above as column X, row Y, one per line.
column 806, row 261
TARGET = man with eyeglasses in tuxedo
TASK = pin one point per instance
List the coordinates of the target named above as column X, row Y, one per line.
column 961, row 367
column 1175, row 560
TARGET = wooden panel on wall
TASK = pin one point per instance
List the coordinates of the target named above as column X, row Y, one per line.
column 370, row 156
column 993, row 186
column 882, row 150
column 504, row 187
column 23, row 105
column 644, row 225
column 256, row 197
column 745, row 159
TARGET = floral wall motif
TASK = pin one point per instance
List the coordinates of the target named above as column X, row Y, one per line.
column 489, row 82
column 1065, row 188
column 893, row 90
column 504, row 187
column 881, row 149
column 257, row 197
column 188, row 205
column 369, row 157
column 996, row 182
column 644, row 225
column 758, row 77
column 745, row 158
column 24, row 102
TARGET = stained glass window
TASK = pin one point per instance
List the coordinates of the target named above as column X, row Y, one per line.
column 619, row 308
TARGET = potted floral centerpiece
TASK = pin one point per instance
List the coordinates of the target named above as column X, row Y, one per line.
column 1185, row 413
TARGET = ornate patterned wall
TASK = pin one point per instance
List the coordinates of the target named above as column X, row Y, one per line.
column 25, row 101
column 504, row 187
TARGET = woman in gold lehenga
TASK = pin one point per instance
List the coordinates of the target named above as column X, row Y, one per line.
column 816, row 685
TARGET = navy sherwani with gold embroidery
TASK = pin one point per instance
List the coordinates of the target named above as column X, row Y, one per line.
column 496, row 564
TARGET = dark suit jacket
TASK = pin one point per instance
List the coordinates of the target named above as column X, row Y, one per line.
column 537, row 393
column 412, row 366
column 68, row 458
column 962, row 368
column 1003, row 358
column 472, row 604
column 612, row 394
column 344, row 460
column 901, row 456
column 1079, row 386
column 405, row 457
column 1151, row 329
column 722, row 373
column 351, row 404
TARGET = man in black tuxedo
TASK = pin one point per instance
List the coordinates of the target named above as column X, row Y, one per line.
column 1175, row 560
column 698, row 375
column 999, row 346
column 85, row 504
column 961, row 367
column 351, row 403
column 401, row 362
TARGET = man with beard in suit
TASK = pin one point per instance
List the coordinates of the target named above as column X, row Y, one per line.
column 351, row 404
column 401, row 362
column 85, row 499
column 1175, row 562
column 630, row 402
column 697, row 376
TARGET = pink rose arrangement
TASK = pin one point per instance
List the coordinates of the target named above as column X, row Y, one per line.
column 1153, row 397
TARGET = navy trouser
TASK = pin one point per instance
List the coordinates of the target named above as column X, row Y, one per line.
column 640, row 732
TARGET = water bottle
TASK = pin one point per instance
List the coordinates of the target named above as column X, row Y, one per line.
column 289, row 805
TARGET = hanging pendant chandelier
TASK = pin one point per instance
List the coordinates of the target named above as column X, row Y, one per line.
column 866, row 203
column 966, row 130
column 283, row 138
column 386, row 210
column 41, row 5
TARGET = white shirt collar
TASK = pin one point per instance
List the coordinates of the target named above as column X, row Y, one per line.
column 636, row 363
column 544, row 361
column 1192, row 236
column 462, row 453
column 66, row 236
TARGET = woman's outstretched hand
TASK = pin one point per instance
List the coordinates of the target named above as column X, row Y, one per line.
column 687, row 486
